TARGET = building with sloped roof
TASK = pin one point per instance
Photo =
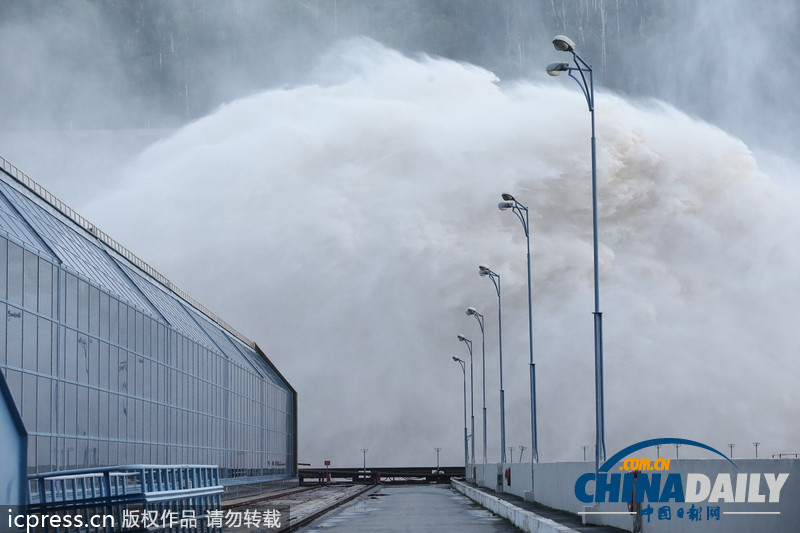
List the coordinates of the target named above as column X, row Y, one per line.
column 110, row 364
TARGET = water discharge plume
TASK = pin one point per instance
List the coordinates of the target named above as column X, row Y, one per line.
column 340, row 225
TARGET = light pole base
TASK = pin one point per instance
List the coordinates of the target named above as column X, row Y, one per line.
column 588, row 519
column 529, row 496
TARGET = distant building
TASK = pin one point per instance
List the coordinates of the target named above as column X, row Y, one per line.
column 110, row 364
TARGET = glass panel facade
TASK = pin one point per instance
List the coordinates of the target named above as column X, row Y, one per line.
column 109, row 367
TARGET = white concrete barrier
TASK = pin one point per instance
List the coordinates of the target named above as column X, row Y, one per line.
column 523, row 519
column 555, row 487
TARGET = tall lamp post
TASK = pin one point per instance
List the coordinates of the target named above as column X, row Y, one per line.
column 565, row 44
column 466, row 445
column 484, row 270
column 509, row 202
column 471, row 311
column 468, row 342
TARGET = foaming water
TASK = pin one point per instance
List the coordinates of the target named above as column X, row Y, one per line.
column 340, row 226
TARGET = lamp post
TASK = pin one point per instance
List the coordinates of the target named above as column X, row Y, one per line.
column 756, row 445
column 466, row 445
column 471, row 311
column 468, row 342
column 565, row 44
column 364, row 451
column 509, row 202
column 484, row 270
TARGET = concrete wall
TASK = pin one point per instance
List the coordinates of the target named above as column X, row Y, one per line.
column 486, row 475
column 520, row 479
column 555, row 487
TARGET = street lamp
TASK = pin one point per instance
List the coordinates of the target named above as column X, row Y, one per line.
column 484, row 270
column 565, row 44
column 471, row 311
column 468, row 342
column 364, row 451
column 509, row 202
column 466, row 445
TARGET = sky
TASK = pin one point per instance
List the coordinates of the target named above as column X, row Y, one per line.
column 339, row 223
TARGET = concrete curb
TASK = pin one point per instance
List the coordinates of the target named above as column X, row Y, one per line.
column 525, row 520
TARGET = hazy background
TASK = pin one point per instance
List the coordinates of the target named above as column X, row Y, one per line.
column 332, row 196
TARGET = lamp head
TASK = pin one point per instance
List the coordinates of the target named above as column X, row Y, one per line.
column 462, row 338
column 483, row 270
column 562, row 43
column 471, row 311
column 507, row 197
column 456, row 359
column 554, row 69
column 505, row 205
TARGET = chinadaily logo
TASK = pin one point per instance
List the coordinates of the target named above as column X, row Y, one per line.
column 664, row 489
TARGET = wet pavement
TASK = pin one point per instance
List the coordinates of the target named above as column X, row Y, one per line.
column 410, row 508
column 283, row 510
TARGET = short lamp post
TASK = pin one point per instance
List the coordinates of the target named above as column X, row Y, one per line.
column 468, row 342
column 471, row 311
column 484, row 270
column 364, row 451
column 466, row 440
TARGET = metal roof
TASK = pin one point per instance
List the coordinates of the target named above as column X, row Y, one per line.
column 32, row 215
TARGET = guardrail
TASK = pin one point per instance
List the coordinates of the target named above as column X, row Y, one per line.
column 129, row 490
column 26, row 181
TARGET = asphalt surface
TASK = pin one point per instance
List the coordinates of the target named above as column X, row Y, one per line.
column 410, row 508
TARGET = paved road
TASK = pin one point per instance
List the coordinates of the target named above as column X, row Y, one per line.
column 302, row 505
column 410, row 508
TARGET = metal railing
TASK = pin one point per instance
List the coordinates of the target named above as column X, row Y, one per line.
column 26, row 181
column 124, row 484
column 118, row 490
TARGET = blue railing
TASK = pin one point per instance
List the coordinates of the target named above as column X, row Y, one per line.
column 122, row 490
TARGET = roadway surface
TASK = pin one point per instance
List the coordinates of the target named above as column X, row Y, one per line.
column 286, row 510
column 410, row 508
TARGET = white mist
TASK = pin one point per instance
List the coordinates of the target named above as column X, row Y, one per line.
column 341, row 225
